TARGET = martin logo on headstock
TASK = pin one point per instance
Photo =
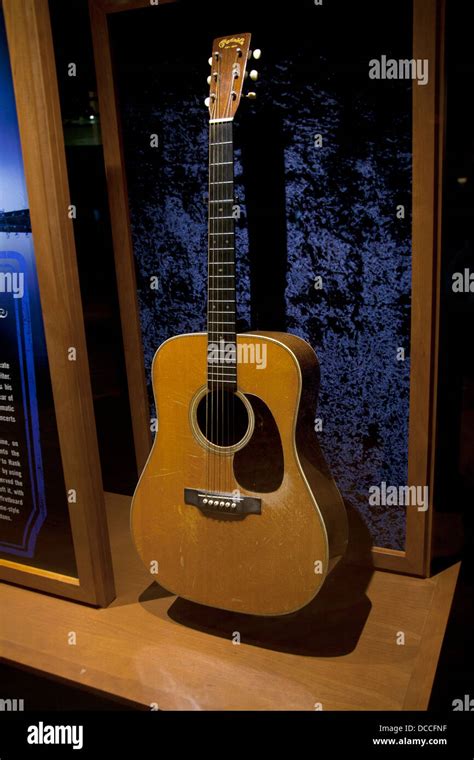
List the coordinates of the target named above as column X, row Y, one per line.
column 232, row 42
column 228, row 63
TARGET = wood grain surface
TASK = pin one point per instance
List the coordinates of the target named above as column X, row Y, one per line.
column 150, row 647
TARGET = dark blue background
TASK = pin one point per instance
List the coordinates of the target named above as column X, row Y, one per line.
column 329, row 211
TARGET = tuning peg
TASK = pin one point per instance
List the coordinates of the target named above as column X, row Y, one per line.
column 209, row 79
column 210, row 61
column 257, row 54
column 254, row 75
column 251, row 95
column 207, row 102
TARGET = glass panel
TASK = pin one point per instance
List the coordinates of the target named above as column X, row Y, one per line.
column 34, row 518
column 323, row 183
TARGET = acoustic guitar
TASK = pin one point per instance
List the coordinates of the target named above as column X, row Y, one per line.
column 236, row 507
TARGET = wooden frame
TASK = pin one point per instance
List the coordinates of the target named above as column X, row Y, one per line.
column 427, row 144
column 37, row 100
column 427, row 152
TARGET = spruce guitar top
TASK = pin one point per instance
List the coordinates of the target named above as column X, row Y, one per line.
column 236, row 507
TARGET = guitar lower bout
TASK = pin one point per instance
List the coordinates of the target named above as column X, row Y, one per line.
column 236, row 507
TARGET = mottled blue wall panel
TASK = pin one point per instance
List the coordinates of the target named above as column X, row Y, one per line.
column 339, row 220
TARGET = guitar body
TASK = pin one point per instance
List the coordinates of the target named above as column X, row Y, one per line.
column 268, row 563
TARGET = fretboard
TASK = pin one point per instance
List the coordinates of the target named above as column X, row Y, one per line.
column 221, row 317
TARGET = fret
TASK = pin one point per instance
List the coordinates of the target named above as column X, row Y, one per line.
column 226, row 142
column 222, row 233
column 222, row 182
column 221, row 163
column 223, row 200
column 220, row 218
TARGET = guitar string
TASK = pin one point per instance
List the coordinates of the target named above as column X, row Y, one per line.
column 220, row 479
column 230, row 319
column 223, row 334
column 208, row 297
column 229, row 397
column 215, row 213
column 218, row 303
column 220, row 226
column 209, row 324
column 234, row 307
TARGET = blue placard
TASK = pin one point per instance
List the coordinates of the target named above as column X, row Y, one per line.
column 22, row 495
column 34, row 515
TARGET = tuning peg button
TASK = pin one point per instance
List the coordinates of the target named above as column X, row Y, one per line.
column 209, row 79
column 207, row 102
column 257, row 54
column 210, row 61
column 251, row 95
column 254, row 75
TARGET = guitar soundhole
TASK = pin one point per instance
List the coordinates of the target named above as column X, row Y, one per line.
column 222, row 417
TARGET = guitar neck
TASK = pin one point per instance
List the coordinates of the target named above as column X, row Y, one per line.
column 221, row 316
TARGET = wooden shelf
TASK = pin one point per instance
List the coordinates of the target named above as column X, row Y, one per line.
column 150, row 648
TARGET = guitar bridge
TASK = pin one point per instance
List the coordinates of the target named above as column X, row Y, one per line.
column 225, row 505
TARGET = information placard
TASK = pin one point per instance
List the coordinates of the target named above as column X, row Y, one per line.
column 53, row 531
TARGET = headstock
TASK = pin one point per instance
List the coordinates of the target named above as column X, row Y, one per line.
column 230, row 56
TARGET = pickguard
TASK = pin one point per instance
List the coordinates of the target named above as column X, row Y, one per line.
column 259, row 466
